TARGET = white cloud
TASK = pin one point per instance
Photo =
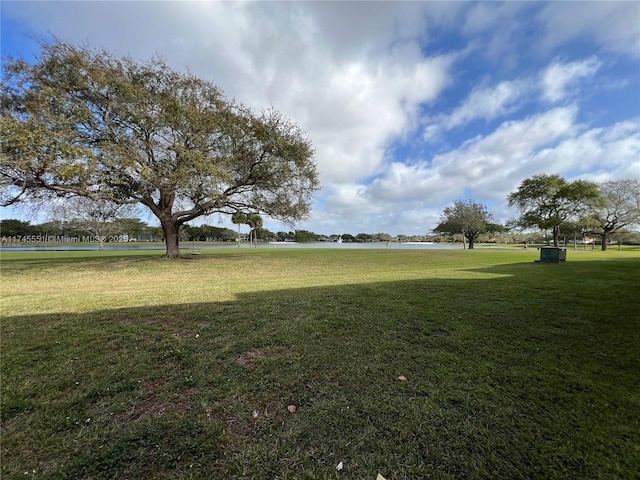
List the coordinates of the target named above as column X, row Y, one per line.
column 418, row 182
column 613, row 26
column 509, row 32
column 350, row 199
column 482, row 17
column 609, row 153
column 486, row 166
column 488, row 103
column 495, row 29
column 559, row 77
column 489, row 165
column 558, row 81
column 484, row 103
column 363, row 107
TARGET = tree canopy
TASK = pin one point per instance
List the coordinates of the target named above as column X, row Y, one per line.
column 468, row 218
column 548, row 201
column 239, row 218
column 255, row 222
column 80, row 122
column 620, row 209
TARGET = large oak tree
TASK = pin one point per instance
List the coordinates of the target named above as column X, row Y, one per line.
column 621, row 208
column 81, row 122
column 548, row 201
column 468, row 218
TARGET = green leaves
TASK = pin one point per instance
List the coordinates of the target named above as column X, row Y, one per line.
column 78, row 118
column 468, row 218
column 547, row 201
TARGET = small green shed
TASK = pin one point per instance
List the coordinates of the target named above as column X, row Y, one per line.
column 552, row 255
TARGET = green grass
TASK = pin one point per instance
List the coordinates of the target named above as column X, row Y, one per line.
column 124, row 365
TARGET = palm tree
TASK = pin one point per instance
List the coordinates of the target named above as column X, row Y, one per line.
column 239, row 218
column 254, row 221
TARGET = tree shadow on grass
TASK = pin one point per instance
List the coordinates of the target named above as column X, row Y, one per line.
column 522, row 372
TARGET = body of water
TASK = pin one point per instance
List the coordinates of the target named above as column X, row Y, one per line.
column 190, row 246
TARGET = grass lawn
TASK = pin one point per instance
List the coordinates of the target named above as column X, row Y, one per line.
column 441, row 364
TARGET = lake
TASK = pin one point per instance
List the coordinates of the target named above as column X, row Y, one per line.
column 187, row 246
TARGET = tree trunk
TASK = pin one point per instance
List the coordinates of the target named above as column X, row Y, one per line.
column 604, row 240
column 471, row 240
column 101, row 241
column 556, row 235
column 171, row 238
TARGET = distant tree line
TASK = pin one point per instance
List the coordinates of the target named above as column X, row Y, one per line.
column 136, row 229
column 132, row 228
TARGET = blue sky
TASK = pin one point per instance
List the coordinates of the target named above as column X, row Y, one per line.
column 410, row 105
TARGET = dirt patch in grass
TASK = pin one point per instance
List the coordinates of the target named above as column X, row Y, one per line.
column 183, row 256
column 131, row 259
column 248, row 359
column 158, row 403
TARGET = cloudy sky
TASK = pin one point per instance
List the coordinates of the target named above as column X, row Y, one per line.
column 410, row 105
